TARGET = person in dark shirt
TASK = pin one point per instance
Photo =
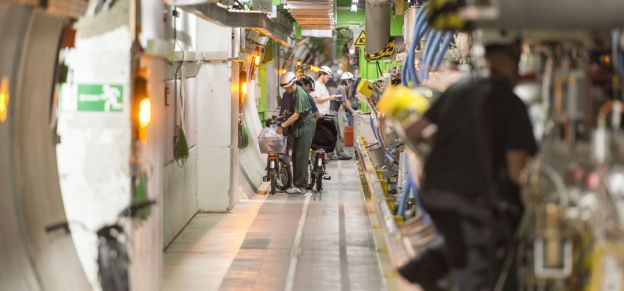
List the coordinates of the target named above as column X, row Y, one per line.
column 301, row 124
column 304, row 83
column 483, row 136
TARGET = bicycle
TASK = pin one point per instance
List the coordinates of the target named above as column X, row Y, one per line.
column 324, row 141
column 318, row 169
column 113, row 258
column 278, row 165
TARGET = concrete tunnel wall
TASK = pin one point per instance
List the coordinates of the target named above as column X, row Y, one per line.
column 252, row 162
column 217, row 174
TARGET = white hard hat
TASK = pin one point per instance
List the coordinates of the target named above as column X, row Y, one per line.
column 326, row 70
column 347, row 76
column 288, row 79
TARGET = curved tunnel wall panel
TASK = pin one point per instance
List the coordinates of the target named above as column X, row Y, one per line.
column 16, row 269
column 94, row 152
column 53, row 255
column 252, row 162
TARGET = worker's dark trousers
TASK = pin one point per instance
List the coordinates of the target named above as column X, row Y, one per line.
column 302, row 141
column 467, row 252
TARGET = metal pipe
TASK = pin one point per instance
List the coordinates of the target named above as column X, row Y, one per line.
column 255, row 20
column 377, row 23
column 558, row 14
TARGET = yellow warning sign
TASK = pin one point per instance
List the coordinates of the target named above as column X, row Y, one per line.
column 361, row 39
column 387, row 52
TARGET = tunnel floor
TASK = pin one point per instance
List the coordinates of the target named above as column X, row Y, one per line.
column 281, row 242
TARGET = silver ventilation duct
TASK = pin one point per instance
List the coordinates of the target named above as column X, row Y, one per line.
column 377, row 21
column 277, row 29
column 556, row 14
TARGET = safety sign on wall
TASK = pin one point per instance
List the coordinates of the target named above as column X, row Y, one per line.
column 361, row 39
column 100, row 97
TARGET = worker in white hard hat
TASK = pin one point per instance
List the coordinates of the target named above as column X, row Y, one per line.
column 342, row 100
column 301, row 125
column 321, row 94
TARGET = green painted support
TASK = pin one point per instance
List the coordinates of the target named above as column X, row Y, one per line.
column 263, row 83
column 297, row 30
column 346, row 18
column 396, row 24
column 369, row 70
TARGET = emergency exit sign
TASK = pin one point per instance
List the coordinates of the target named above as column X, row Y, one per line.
column 100, row 97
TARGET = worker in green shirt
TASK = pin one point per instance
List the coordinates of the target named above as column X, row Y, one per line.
column 302, row 125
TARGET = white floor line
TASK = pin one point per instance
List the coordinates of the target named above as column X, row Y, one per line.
column 295, row 251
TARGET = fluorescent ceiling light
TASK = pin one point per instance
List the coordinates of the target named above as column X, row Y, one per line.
column 317, row 32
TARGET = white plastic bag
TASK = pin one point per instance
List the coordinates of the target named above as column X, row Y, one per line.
column 271, row 142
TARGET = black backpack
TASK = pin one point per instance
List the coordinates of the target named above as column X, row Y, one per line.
column 325, row 135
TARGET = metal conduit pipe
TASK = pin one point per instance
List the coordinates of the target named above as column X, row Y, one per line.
column 377, row 25
column 557, row 15
column 277, row 29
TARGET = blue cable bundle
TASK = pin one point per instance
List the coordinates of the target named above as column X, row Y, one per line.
column 411, row 191
column 435, row 49
column 446, row 42
column 409, row 75
column 433, row 41
column 433, row 54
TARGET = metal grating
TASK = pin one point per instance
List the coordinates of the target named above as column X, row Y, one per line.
column 313, row 15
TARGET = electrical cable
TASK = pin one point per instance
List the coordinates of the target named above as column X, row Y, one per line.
column 180, row 144
column 408, row 67
column 409, row 74
column 431, row 47
column 404, row 194
column 379, row 69
column 427, row 51
column 372, row 124
column 422, row 29
column 433, row 53
column 446, row 42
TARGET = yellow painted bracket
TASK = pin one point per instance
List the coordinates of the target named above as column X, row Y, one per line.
column 391, row 204
column 384, row 186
